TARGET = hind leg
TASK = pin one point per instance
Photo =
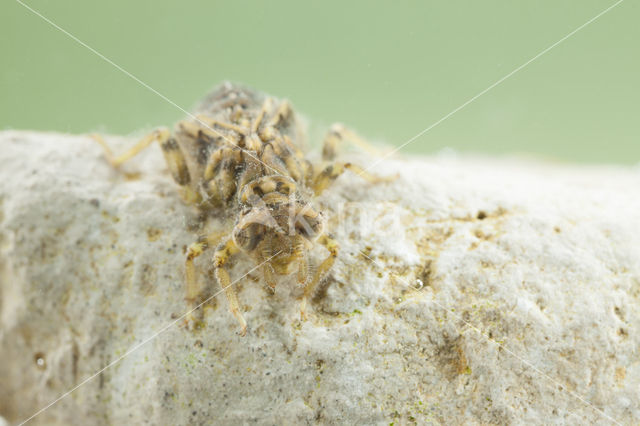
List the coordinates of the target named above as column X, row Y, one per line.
column 330, row 173
column 160, row 135
column 173, row 155
column 336, row 136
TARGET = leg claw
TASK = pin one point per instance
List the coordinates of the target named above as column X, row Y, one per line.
column 243, row 331
column 191, row 323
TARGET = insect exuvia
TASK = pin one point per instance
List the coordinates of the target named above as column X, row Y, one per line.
column 239, row 156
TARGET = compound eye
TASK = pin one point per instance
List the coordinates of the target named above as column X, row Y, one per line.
column 309, row 226
column 250, row 236
column 252, row 199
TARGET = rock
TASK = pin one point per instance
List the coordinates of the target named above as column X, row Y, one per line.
column 470, row 290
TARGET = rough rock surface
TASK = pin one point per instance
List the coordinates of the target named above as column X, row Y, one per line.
column 469, row 290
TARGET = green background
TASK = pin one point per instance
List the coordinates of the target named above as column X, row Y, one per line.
column 389, row 70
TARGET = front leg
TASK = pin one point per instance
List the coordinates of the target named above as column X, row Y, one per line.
column 193, row 288
column 220, row 258
column 324, row 267
column 300, row 252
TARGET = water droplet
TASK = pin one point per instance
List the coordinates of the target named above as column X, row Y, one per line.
column 39, row 360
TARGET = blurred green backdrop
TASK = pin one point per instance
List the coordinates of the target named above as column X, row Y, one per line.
column 387, row 69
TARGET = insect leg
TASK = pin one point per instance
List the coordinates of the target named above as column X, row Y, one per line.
column 220, row 175
column 300, row 254
column 256, row 123
column 290, row 156
column 160, row 135
column 282, row 115
column 337, row 135
column 324, row 178
column 268, row 273
column 172, row 153
column 209, row 122
column 174, row 157
column 193, row 289
column 220, row 258
column 324, row 267
column 330, row 173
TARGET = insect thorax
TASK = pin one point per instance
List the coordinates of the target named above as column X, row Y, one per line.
column 244, row 157
column 225, row 150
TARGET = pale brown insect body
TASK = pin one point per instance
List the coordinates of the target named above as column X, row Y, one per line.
column 239, row 156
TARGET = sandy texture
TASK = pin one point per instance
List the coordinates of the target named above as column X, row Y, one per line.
column 469, row 290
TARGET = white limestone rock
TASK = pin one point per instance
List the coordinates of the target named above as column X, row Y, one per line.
column 528, row 311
